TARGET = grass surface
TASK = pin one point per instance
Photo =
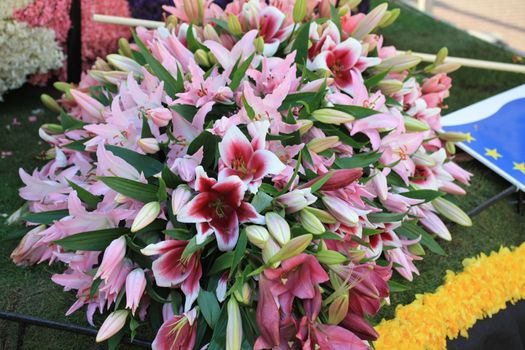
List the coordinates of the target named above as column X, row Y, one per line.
column 30, row 290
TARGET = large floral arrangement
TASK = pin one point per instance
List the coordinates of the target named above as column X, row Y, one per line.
column 247, row 177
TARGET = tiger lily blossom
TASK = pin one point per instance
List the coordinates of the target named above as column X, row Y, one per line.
column 218, row 209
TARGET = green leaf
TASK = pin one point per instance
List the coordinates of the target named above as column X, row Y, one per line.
column 209, row 307
column 301, row 42
column 70, row 123
column 92, row 240
column 377, row 218
column 223, row 262
column 249, row 109
column 375, row 79
column 162, row 194
column 269, row 189
column 426, row 195
column 46, row 217
column 193, row 43
column 143, row 163
column 359, row 160
column 357, row 112
column 146, row 130
column 371, row 231
column 344, row 137
column 413, row 231
column 296, row 99
column 186, row 111
column 218, row 338
column 239, row 251
column 240, row 73
column 85, row 196
column 94, row 287
column 77, row 145
column 180, row 234
column 261, row 201
column 335, row 17
column 329, row 235
column 210, row 143
column 171, row 179
column 171, row 85
column 396, row 287
column 142, row 192
column 192, row 246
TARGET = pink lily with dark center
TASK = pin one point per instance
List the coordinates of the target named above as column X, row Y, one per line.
column 251, row 162
column 171, row 269
column 218, row 209
column 178, row 332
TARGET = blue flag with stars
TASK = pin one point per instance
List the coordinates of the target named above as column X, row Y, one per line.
column 496, row 133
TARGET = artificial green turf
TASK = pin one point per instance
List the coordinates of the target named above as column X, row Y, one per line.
column 30, row 290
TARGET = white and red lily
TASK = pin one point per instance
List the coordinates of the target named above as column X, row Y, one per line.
column 249, row 161
column 218, row 209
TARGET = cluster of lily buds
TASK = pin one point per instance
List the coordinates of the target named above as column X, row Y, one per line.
column 257, row 172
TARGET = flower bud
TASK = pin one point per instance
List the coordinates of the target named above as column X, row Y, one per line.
column 330, row 257
column 370, row 22
column 120, row 198
column 179, row 197
column 44, row 136
column 278, row 227
column 234, row 326
column 299, row 11
column 305, row 126
column 311, row 223
column 234, row 26
column 294, row 247
column 88, row 104
column 212, row 58
column 135, row 286
column 380, row 184
column 451, row 211
column 149, row 145
column 201, row 57
column 390, row 86
column 421, row 158
column 160, row 116
column 320, row 144
column 389, row 18
column 447, row 67
column 332, row 116
column 450, row 147
column 341, row 210
column 441, row 55
column 269, row 250
column 257, row 235
column 50, row 103
column 296, row 200
column 413, row 124
column 209, row 33
column 124, row 63
column 124, row 48
column 259, row 45
column 322, row 215
column 15, row 217
column 112, row 325
column 416, row 249
column 53, row 128
column 171, row 22
column 194, row 10
column 147, row 214
column 61, row 86
column 50, row 154
column 338, row 309
column 244, row 295
column 399, row 63
column 453, row 136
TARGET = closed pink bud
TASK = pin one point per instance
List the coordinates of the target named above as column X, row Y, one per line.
column 296, row 200
column 149, row 145
column 380, row 185
column 112, row 325
column 160, row 116
column 113, row 257
column 180, row 196
column 340, row 178
column 341, row 210
column 88, row 104
column 135, row 285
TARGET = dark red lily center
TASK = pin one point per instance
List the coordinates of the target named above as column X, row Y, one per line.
column 218, row 205
column 239, row 164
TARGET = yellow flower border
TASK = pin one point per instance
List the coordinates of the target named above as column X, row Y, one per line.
column 481, row 290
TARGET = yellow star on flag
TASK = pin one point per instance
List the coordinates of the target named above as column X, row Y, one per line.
column 519, row 167
column 470, row 138
column 492, row 153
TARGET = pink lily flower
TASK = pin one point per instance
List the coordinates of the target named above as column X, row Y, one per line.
column 113, row 257
column 91, row 108
column 272, row 29
column 218, row 209
column 179, row 332
column 251, row 162
column 171, row 270
column 457, row 172
column 397, row 148
column 436, row 89
column 227, row 58
column 273, row 72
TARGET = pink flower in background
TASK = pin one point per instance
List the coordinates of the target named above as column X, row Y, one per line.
column 436, row 89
